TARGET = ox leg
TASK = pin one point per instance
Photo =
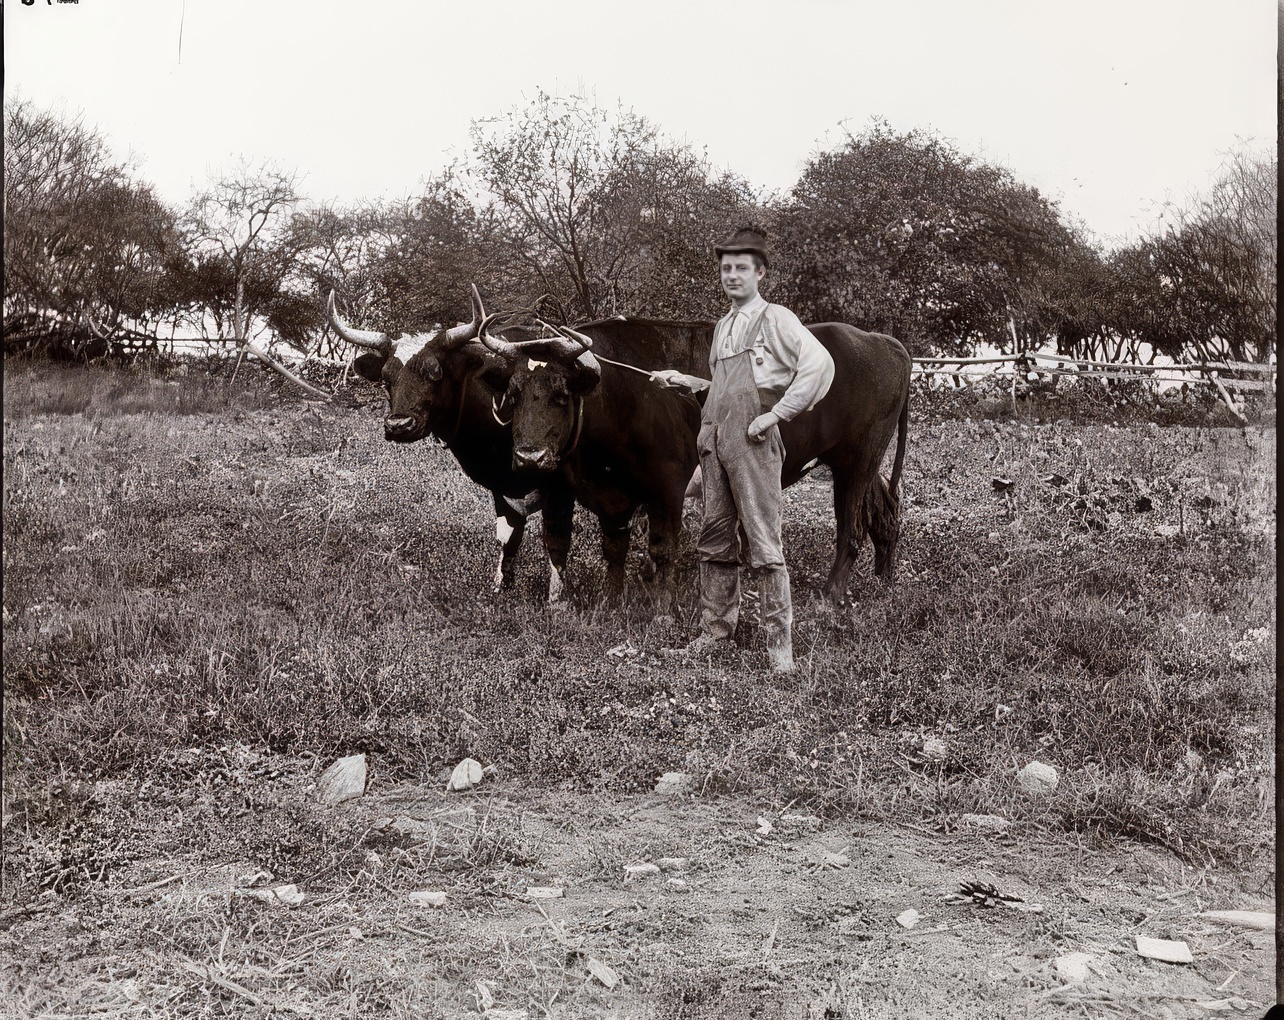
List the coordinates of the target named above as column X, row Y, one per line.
column 615, row 550
column 664, row 525
column 510, row 526
column 845, row 507
column 559, row 513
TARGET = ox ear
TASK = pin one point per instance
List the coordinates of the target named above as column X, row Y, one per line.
column 370, row 366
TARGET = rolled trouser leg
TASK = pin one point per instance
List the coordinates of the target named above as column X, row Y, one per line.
column 777, row 617
column 719, row 599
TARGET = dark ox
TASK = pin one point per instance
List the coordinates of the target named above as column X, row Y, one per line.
column 848, row 431
column 436, row 387
column 619, row 441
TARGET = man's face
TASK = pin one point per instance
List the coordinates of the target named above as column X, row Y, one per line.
column 740, row 277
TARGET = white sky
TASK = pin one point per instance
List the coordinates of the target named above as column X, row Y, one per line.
column 1109, row 106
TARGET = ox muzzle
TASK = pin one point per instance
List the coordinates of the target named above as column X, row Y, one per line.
column 539, row 459
column 402, row 429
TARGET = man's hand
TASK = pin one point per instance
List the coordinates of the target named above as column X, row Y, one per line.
column 759, row 426
column 672, row 379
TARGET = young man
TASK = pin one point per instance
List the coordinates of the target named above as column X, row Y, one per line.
column 767, row 368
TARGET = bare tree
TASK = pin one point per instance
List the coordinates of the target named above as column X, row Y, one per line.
column 605, row 214
column 239, row 230
column 82, row 240
column 1203, row 284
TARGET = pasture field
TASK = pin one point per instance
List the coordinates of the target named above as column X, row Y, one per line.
column 213, row 590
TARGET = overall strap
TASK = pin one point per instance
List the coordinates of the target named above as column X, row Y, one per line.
column 755, row 327
column 751, row 335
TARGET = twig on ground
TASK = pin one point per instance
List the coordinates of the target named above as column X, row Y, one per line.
column 140, row 889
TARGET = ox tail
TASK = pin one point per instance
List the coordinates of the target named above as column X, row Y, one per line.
column 881, row 510
column 902, row 429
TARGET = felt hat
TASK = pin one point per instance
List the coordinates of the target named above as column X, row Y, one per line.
column 749, row 239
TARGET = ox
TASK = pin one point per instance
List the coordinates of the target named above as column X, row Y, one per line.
column 848, row 431
column 618, row 441
column 436, row 387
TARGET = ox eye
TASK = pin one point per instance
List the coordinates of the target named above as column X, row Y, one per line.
column 560, row 400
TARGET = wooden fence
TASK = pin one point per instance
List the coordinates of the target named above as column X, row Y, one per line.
column 1225, row 377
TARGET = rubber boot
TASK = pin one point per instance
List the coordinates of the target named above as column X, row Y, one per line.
column 719, row 605
column 777, row 615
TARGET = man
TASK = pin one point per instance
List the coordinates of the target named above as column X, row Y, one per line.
column 767, row 368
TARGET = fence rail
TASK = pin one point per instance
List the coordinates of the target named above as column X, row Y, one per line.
column 1222, row 376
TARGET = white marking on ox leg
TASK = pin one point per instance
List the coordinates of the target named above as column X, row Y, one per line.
column 556, row 588
column 503, row 532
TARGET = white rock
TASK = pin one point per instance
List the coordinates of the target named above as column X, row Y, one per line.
column 908, row 918
column 1164, row 949
column 674, row 782
column 935, row 749
column 640, row 870
column 287, row 894
column 545, row 892
column 343, row 780
column 1037, row 779
column 1073, row 969
column 673, row 863
column 467, row 774
column 428, row 898
column 603, row 973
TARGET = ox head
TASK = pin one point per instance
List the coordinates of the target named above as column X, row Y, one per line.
column 545, row 396
column 419, row 372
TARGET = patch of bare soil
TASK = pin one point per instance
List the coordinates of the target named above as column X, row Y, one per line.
column 569, row 905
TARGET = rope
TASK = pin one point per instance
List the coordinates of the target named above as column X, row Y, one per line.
column 620, row 364
column 579, row 424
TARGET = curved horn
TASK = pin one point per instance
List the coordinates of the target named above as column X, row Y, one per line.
column 461, row 334
column 580, row 338
column 568, row 344
column 496, row 345
column 367, row 338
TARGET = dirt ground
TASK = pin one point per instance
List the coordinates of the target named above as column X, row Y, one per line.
column 751, row 910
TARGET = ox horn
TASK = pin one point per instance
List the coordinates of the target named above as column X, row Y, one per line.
column 367, row 338
column 496, row 345
column 568, row 344
column 461, row 334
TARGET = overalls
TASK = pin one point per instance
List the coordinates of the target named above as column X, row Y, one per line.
column 741, row 480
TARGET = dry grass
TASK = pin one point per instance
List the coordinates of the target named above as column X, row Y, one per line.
column 193, row 568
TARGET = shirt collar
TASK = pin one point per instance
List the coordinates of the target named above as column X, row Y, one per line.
column 751, row 308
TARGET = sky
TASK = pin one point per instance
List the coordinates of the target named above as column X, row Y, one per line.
column 1109, row 107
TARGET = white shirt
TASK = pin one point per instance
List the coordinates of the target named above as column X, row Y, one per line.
column 789, row 363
